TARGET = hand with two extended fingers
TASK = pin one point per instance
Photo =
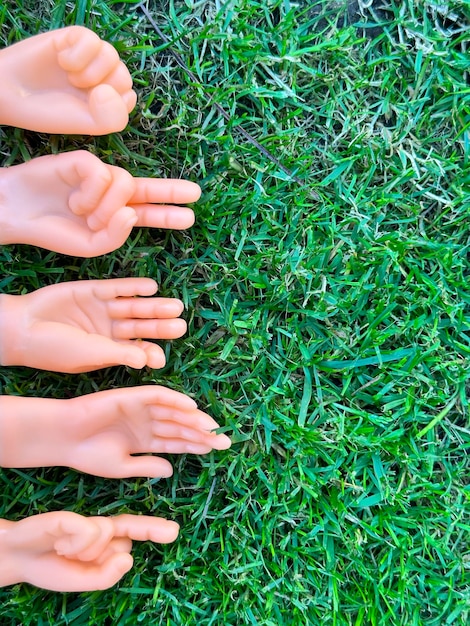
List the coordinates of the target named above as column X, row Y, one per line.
column 75, row 204
column 64, row 551
column 70, row 81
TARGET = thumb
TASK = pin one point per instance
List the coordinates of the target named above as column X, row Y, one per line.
column 113, row 569
column 108, row 352
column 108, row 110
column 137, row 353
column 144, row 467
column 93, row 351
column 114, row 234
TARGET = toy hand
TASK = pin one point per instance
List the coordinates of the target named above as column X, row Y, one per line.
column 75, row 204
column 63, row 551
column 109, row 426
column 85, row 325
column 65, row 81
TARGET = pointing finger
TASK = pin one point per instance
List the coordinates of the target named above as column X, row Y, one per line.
column 165, row 191
column 145, row 528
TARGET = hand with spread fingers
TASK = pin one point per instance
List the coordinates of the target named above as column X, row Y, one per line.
column 65, row 81
column 89, row 324
column 64, row 551
column 75, row 204
column 99, row 433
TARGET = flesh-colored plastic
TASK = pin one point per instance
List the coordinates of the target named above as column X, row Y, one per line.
column 64, row 551
column 65, row 81
column 75, row 204
column 85, row 325
column 69, row 81
column 98, row 433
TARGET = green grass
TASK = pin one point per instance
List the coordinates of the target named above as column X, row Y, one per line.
column 326, row 286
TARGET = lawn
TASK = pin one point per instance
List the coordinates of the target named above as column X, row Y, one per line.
column 326, row 292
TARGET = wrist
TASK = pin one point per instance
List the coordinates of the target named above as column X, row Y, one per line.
column 9, row 91
column 9, row 575
column 31, row 434
column 12, row 330
column 11, row 229
column 7, row 229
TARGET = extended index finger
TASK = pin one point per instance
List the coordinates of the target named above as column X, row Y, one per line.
column 165, row 191
column 145, row 528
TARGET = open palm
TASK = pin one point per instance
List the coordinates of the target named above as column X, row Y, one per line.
column 85, row 325
column 111, row 426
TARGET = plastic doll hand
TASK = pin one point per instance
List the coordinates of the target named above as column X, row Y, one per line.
column 85, row 325
column 98, row 433
column 75, row 204
column 113, row 425
column 63, row 551
column 65, row 81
